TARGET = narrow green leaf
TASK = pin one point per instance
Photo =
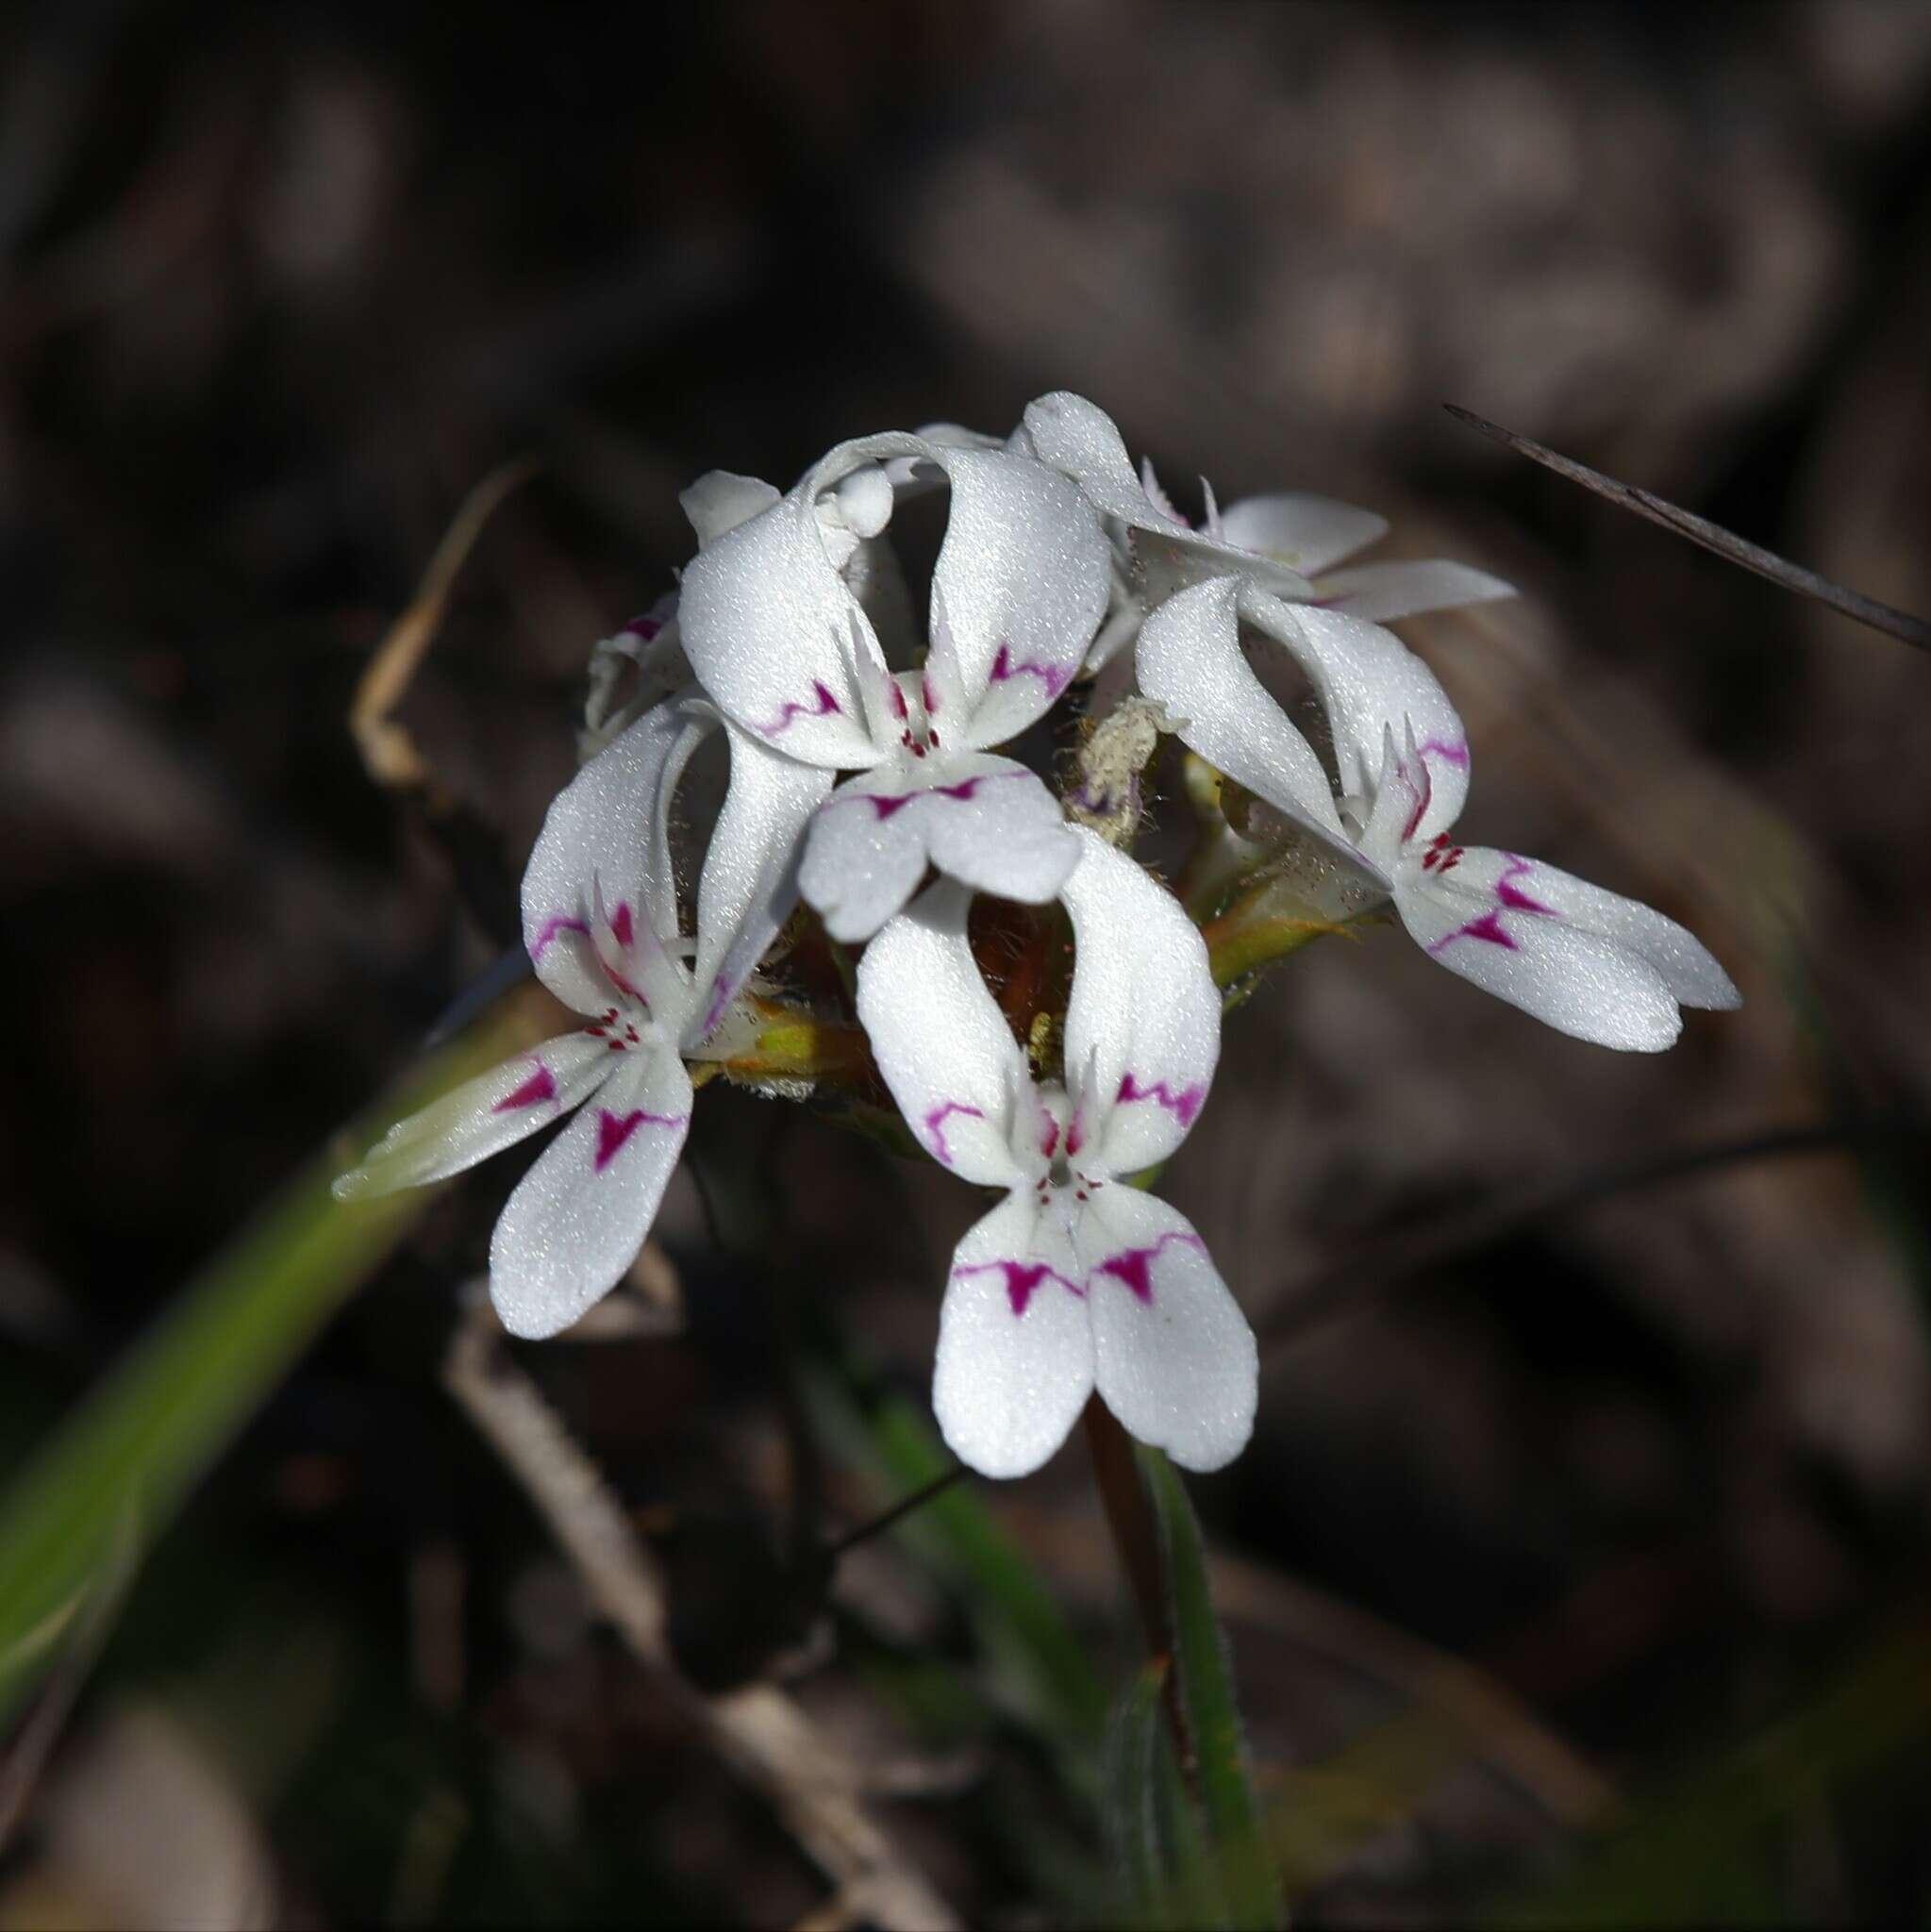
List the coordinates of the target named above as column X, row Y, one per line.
column 1130, row 1796
column 139, row 1443
column 1154, row 1839
column 1249, row 1881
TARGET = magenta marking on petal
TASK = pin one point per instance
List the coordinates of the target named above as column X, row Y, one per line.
column 623, row 985
column 558, row 922
column 889, row 805
column 934, row 1125
column 1508, row 897
column 964, row 790
column 1049, row 1136
column 1134, row 1266
column 1520, row 901
column 720, row 999
column 540, row 1086
column 823, row 706
column 643, row 628
column 621, row 929
column 1183, row 1106
column 1053, row 676
column 1488, row 929
column 1415, row 812
column 613, row 1129
column 1449, row 754
column 928, row 697
column 1021, row 1279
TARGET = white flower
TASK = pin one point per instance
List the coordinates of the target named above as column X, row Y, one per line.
column 1287, row 544
column 653, row 648
column 1076, row 1280
column 792, row 656
column 1589, row 963
column 850, row 518
column 601, row 923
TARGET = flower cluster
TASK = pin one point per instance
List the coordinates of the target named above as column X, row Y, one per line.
column 867, row 779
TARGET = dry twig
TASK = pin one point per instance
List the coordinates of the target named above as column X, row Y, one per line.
column 388, row 750
column 1712, row 537
column 758, row 1730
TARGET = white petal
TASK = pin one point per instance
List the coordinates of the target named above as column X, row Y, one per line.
column 985, row 821
column 1174, row 1357
column 1080, row 440
column 1305, row 533
column 1157, row 495
column 861, row 862
column 1124, row 614
column 718, row 501
column 1022, row 581
column 1015, row 1361
column 577, row 1219
column 1577, row 982
column 636, row 961
column 993, row 825
column 1681, row 960
column 1073, row 435
column 864, row 500
column 941, row 1042
column 609, row 826
column 772, row 632
column 750, row 879
column 1369, row 682
column 1189, row 659
column 1382, row 593
column 1143, row 1022
column 481, row 1117
column 1587, row 961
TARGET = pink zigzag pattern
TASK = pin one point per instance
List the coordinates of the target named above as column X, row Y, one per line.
column 888, row 806
column 934, row 1125
column 1508, row 898
column 614, row 1129
column 1134, row 1266
column 540, row 1086
column 1053, row 676
column 823, row 706
column 558, row 922
column 1022, row 1279
column 1183, row 1106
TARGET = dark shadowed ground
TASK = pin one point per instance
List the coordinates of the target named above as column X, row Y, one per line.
column 1610, row 1492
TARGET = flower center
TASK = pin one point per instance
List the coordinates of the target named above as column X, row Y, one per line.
column 626, row 1028
column 1058, row 1150
column 911, row 707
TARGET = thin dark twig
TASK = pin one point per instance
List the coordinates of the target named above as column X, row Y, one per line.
column 1725, row 543
column 1335, row 1288
column 897, row 1513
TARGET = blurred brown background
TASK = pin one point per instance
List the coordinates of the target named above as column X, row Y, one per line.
column 278, row 285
